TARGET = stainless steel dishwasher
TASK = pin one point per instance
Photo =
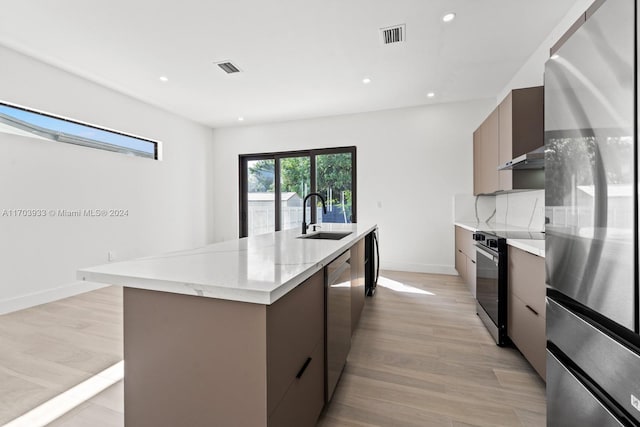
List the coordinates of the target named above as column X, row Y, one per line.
column 338, row 319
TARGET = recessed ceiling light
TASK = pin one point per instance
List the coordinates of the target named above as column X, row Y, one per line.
column 449, row 17
column 241, row 119
column 431, row 94
column 555, row 56
column 164, row 79
column 366, row 80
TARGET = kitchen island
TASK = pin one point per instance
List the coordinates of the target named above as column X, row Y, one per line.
column 232, row 333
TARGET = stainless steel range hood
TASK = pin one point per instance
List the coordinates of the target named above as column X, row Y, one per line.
column 531, row 160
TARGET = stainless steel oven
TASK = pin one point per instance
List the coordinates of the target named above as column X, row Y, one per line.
column 491, row 284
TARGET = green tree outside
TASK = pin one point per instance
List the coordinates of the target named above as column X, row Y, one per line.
column 332, row 170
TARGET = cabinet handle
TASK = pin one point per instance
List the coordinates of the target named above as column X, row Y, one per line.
column 531, row 309
column 459, row 251
column 304, row 368
column 473, row 261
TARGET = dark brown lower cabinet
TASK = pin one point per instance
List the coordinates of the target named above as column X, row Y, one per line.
column 295, row 355
column 303, row 401
column 196, row 361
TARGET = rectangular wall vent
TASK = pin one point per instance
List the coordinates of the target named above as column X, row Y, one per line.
column 395, row 34
column 228, row 67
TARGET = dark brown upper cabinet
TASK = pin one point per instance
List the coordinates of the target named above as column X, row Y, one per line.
column 514, row 128
column 521, row 124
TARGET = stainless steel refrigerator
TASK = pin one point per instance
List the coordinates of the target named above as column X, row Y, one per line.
column 593, row 346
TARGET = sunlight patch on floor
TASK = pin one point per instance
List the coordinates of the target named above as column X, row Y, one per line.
column 394, row 285
column 64, row 402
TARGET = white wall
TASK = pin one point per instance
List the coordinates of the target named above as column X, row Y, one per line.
column 411, row 162
column 168, row 201
column 532, row 72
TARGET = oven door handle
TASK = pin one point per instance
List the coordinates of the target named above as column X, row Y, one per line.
column 489, row 255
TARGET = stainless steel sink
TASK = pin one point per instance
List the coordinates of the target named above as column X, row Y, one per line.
column 325, row 235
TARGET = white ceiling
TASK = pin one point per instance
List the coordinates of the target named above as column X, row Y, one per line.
column 299, row 58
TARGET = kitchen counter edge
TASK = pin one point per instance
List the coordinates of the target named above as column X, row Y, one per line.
column 101, row 274
column 527, row 245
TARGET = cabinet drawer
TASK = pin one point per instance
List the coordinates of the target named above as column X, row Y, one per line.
column 461, row 264
column 526, row 278
column 303, row 401
column 295, row 324
column 460, row 238
column 471, row 276
column 464, row 242
column 527, row 331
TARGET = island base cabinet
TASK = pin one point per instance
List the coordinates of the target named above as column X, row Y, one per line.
column 303, row 401
column 295, row 352
column 196, row 361
column 193, row 361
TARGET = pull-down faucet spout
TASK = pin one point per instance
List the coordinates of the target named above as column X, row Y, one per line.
column 304, row 210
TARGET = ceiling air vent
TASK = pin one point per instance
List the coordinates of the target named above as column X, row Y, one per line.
column 395, row 34
column 228, row 67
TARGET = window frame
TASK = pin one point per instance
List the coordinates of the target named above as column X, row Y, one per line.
column 243, row 160
column 79, row 140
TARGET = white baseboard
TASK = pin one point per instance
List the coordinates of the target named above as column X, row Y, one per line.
column 30, row 300
column 419, row 268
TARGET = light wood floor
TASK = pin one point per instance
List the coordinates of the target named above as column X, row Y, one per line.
column 417, row 359
column 47, row 349
column 427, row 360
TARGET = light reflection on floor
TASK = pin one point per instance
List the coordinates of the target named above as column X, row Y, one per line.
column 394, row 285
column 75, row 396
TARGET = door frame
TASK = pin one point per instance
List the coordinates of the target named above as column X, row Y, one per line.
column 243, row 160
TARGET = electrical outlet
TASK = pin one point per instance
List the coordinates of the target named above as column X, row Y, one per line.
column 111, row 256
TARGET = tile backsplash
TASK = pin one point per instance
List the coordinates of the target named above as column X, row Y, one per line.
column 469, row 208
column 519, row 209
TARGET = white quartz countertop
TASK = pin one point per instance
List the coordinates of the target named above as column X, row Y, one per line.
column 535, row 247
column 491, row 226
column 469, row 225
column 258, row 269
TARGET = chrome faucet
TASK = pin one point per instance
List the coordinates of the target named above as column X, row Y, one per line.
column 304, row 210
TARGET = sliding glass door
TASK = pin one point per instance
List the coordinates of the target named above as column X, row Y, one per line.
column 261, row 215
column 295, row 184
column 273, row 187
column 334, row 180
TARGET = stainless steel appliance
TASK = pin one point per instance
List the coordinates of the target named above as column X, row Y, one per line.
column 593, row 346
column 371, row 263
column 491, row 283
column 531, row 160
column 338, row 319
